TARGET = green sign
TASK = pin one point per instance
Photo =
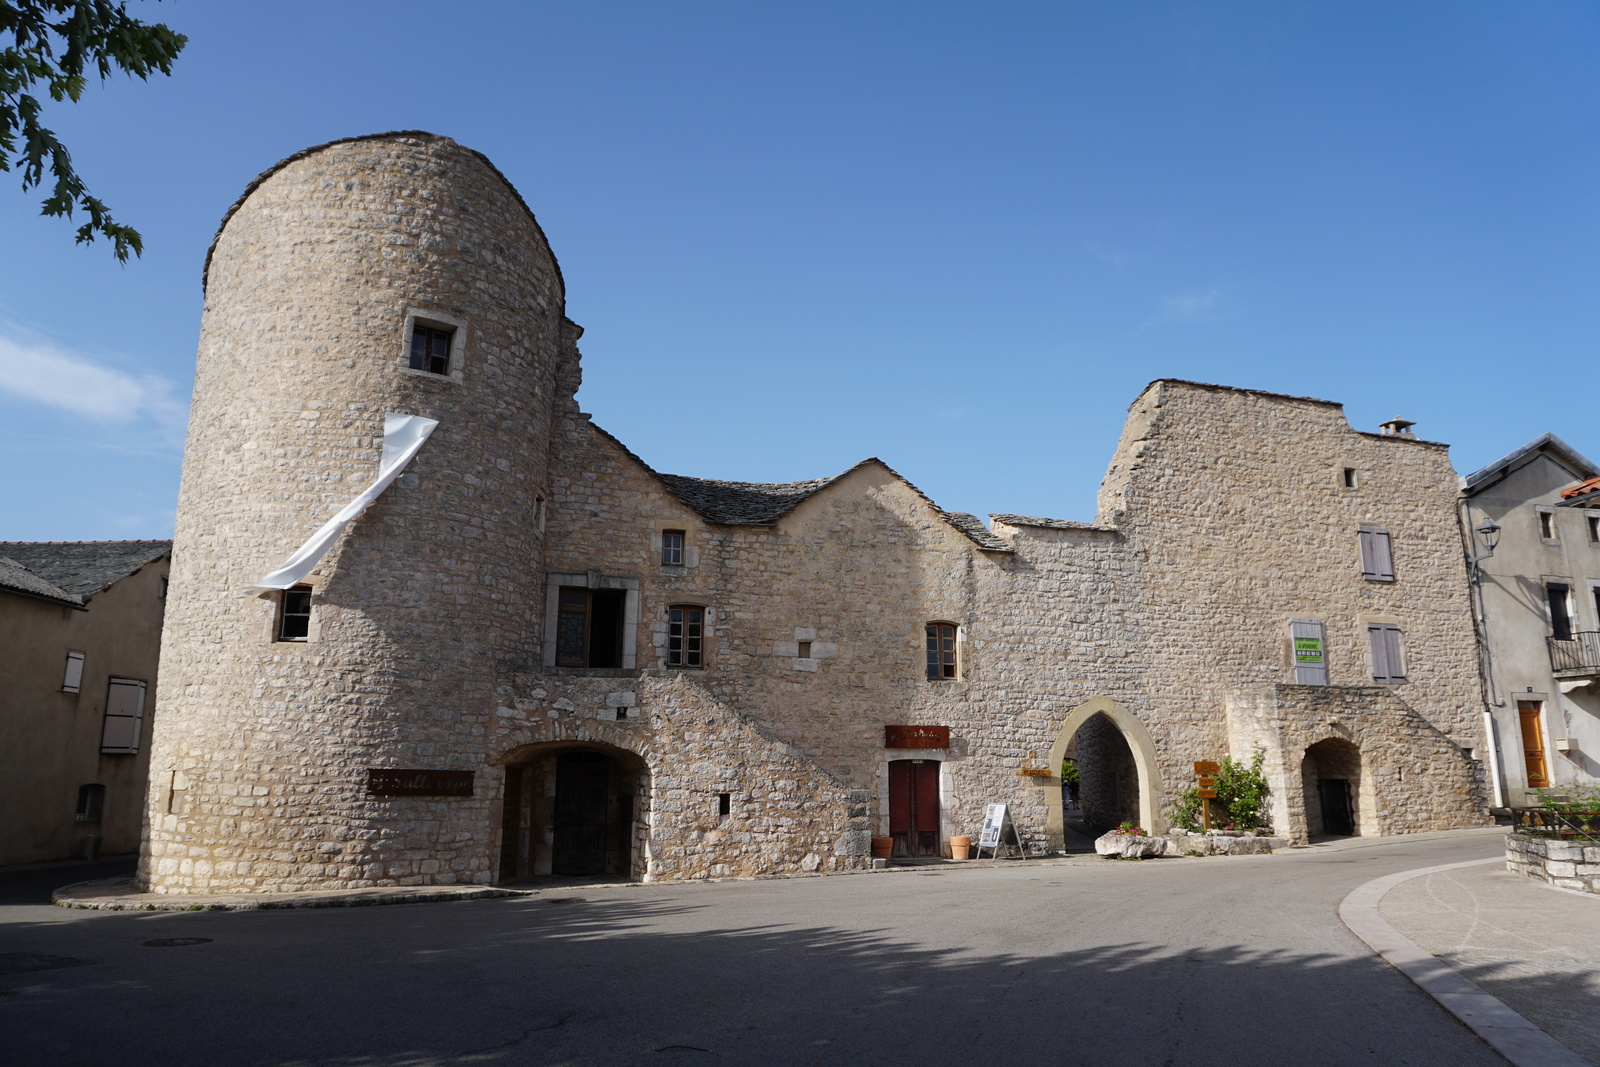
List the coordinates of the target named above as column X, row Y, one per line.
column 1308, row 650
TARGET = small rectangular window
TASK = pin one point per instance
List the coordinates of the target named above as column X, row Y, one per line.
column 430, row 348
column 941, row 650
column 724, row 804
column 538, row 513
column 1377, row 554
column 685, row 630
column 672, row 548
column 804, row 650
column 294, row 613
column 1558, row 594
column 91, row 803
column 72, row 680
column 1388, row 660
column 1547, row 525
column 1594, row 528
column 163, row 592
column 124, row 719
column 1349, row 477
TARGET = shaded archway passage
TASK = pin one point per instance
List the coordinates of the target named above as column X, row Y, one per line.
column 576, row 810
column 1330, row 775
column 1124, row 753
column 1108, row 778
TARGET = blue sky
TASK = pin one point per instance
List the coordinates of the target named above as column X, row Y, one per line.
column 960, row 237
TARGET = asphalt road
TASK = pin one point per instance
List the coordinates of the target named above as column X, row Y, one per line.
column 1229, row 961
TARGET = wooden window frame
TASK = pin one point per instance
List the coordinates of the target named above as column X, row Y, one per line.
column 943, row 654
column 686, row 637
column 564, row 610
column 280, row 623
column 674, row 555
column 425, row 360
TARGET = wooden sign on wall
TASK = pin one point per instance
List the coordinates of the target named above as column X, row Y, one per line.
column 916, row 737
column 397, row 782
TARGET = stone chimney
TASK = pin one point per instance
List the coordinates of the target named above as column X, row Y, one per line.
column 1397, row 427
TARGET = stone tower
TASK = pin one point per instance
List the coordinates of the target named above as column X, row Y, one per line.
column 314, row 285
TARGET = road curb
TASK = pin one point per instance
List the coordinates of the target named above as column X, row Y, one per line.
column 1508, row 1032
column 119, row 894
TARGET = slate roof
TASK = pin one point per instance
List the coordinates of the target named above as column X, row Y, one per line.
column 83, row 568
column 1548, row 443
column 741, row 502
column 15, row 578
column 980, row 534
column 1049, row 524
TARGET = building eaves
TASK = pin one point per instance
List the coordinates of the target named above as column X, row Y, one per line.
column 84, row 568
column 17, row 579
column 1549, row 444
column 980, row 534
column 1048, row 524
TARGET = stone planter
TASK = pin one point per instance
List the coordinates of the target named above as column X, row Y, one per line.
column 1131, row 846
column 1567, row 863
column 1224, row 843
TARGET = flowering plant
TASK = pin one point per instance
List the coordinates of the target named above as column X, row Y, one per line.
column 1129, row 830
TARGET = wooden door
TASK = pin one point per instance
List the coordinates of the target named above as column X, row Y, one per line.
column 914, row 806
column 583, row 785
column 1532, row 743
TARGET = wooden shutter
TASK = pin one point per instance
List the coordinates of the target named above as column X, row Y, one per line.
column 72, row 680
column 124, row 717
column 1310, row 652
column 1388, row 661
column 1377, row 554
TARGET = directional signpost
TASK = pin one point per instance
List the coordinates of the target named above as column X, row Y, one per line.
column 1205, row 771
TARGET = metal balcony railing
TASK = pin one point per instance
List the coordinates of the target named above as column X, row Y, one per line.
column 1580, row 653
column 1543, row 822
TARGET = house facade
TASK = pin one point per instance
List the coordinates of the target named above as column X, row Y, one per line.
column 1538, row 599
column 80, row 623
column 536, row 654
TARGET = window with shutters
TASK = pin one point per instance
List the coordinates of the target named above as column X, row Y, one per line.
column 942, row 662
column 72, row 679
column 1309, row 650
column 1559, row 597
column 1388, row 658
column 124, row 722
column 294, row 614
column 685, row 635
column 1377, row 554
column 589, row 627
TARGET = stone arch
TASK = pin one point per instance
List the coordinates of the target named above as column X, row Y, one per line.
column 1336, row 757
column 535, row 835
column 1144, row 761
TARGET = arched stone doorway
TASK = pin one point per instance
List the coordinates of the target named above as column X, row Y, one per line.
column 1112, row 748
column 574, row 809
column 1330, row 775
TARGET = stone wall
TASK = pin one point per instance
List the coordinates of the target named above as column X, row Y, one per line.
column 1567, row 864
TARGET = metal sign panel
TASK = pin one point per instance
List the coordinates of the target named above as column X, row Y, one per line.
column 396, row 782
column 916, row 737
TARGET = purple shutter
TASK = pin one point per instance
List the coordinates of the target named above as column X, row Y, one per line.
column 1377, row 558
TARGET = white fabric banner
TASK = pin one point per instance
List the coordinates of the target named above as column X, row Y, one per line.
column 403, row 436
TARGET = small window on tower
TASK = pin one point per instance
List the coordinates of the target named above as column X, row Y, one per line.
column 294, row 614
column 672, row 548
column 1594, row 529
column 430, row 348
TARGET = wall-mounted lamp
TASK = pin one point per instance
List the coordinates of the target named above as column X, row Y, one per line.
column 1489, row 530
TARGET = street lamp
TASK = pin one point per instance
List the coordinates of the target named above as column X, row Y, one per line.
column 1490, row 532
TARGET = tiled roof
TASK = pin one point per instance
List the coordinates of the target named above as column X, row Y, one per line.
column 84, row 568
column 16, row 578
column 1583, row 488
column 741, row 502
column 980, row 534
column 1049, row 524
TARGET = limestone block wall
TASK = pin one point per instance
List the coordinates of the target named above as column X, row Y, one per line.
column 1236, row 505
column 262, row 747
column 1413, row 776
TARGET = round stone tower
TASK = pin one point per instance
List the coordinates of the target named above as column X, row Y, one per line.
column 329, row 275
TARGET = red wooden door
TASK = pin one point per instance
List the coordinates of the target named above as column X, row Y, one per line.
column 914, row 806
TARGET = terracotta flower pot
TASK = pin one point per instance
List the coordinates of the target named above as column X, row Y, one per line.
column 960, row 847
column 882, row 848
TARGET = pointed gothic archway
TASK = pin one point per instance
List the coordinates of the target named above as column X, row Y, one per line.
column 1140, row 745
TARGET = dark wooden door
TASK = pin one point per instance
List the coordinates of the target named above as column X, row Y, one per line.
column 1338, row 817
column 914, row 806
column 583, row 781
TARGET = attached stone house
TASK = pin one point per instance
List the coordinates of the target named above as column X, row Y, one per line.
column 80, row 625
column 534, row 653
column 1537, row 578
